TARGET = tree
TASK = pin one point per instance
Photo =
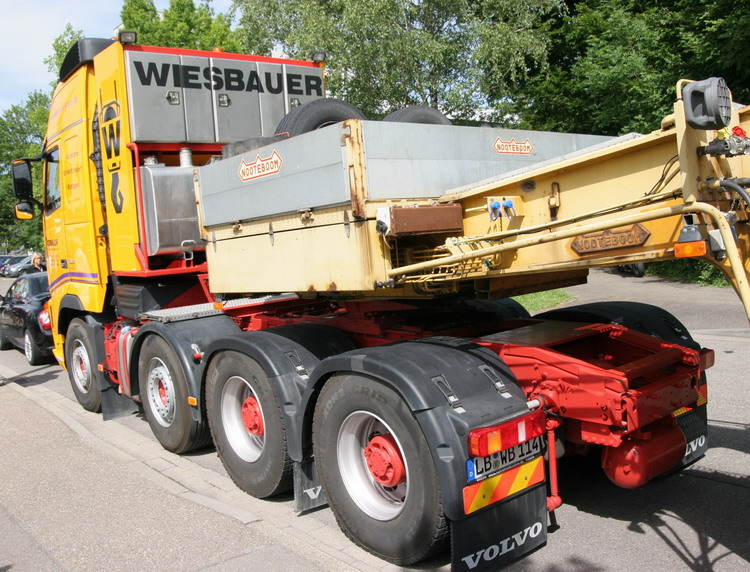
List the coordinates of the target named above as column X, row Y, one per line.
column 456, row 55
column 22, row 130
column 60, row 47
column 612, row 69
column 613, row 64
column 182, row 25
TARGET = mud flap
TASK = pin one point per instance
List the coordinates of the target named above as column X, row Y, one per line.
column 694, row 424
column 114, row 404
column 308, row 492
column 501, row 533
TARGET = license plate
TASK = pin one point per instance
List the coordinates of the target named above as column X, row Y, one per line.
column 480, row 468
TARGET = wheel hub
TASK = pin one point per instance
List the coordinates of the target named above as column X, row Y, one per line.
column 161, row 393
column 252, row 417
column 384, row 461
column 80, row 367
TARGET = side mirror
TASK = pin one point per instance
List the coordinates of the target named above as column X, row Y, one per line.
column 24, row 211
column 23, row 189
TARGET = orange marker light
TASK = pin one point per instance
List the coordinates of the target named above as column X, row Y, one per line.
column 690, row 249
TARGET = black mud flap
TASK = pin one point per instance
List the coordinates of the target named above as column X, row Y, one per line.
column 501, row 533
column 694, row 424
column 114, row 404
column 308, row 493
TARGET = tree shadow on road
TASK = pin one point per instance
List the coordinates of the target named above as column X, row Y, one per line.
column 713, row 505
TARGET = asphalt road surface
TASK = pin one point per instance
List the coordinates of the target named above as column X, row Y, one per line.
column 79, row 493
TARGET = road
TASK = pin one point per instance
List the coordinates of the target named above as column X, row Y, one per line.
column 83, row 494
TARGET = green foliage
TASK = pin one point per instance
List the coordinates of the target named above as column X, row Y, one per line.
column 689, row 270
column 182, row 25
column 456, row 55
column 60, row 46
column 612, row 71
column 539, row 301
column 613, row 64
column 22, row 130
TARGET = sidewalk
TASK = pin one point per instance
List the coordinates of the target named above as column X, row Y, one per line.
column 83, row 494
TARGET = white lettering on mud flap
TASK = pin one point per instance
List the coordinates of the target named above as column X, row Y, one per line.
column 695, row 445
column 504, row 546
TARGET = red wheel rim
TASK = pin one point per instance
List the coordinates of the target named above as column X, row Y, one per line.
column 384, row 461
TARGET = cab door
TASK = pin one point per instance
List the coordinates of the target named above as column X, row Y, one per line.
column 54, row 222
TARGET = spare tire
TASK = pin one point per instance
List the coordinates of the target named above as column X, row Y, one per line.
column 418, row 114
column 316, row 115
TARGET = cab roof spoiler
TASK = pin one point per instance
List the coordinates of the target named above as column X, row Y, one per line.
column 82, row 52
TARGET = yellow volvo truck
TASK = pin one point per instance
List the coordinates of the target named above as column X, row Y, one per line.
column 325, row 298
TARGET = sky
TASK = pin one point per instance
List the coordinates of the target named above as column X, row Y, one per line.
column 28, row 28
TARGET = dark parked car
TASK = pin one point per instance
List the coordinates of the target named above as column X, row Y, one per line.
column 24, row 322
column 8, row 260
column 21, row 267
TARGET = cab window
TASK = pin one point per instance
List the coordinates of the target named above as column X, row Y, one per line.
column 52, row 188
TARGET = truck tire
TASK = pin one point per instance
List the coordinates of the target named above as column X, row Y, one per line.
column 164, row 395
column 79, row 360
column 316, row 115
column 418, row 114
column 644, row 318
column 398, row 519
column 504, row 308
column 34, row 354
column 247, row 426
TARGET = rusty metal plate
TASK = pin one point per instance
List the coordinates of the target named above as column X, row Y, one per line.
column 426, row 219
column 635, row 235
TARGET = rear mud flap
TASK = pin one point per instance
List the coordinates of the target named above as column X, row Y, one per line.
column 694, row 424
column 114, row 404
column 501, row 533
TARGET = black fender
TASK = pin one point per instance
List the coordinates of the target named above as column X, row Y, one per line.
column 288, row 356
column 450, row 385
column 645, row 318
column 181, row 336
column 71, row 302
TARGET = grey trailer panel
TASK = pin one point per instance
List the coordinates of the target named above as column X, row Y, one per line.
column 423, row 161
column 403, row 161
column 311, row 174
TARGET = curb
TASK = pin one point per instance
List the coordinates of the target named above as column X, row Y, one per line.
column 186, row 479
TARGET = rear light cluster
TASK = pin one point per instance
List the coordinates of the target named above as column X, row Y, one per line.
column 495, row 438
column 45, row 320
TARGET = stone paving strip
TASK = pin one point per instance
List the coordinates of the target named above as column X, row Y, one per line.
column 181, row 477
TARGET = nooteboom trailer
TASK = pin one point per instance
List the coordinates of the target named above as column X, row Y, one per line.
column 326, row 298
